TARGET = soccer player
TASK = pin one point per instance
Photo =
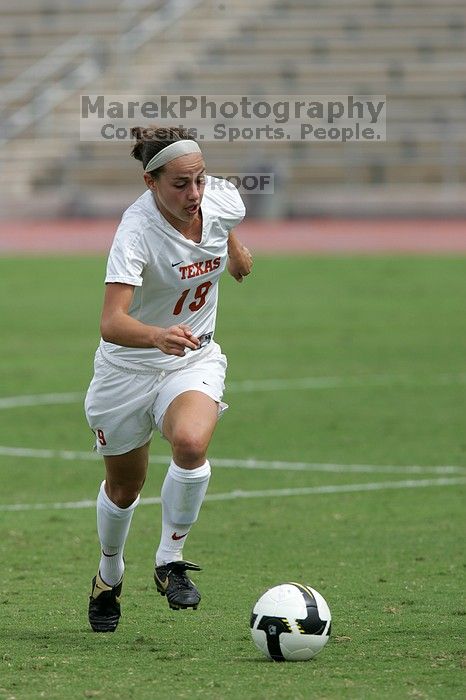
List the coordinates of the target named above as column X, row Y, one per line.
column 158, row 366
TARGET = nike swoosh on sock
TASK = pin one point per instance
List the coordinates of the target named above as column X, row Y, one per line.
column 178, row 537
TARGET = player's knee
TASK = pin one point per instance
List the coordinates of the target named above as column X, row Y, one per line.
column 189, row 448
column 124, row 495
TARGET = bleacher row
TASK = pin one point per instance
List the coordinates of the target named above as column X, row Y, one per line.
column 413, row 51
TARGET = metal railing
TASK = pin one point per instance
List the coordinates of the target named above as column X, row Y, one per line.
column 48, row 82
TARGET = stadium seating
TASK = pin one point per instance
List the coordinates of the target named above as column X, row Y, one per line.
column 410, row 50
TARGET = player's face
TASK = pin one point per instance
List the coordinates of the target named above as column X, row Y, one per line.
column 179, row 188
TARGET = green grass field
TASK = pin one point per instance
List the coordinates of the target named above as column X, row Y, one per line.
column 371, row 354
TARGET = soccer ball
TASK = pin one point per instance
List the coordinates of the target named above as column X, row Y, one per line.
column 291, row 622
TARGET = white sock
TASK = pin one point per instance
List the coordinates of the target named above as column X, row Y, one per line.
column 183, row 492
column 112, row 526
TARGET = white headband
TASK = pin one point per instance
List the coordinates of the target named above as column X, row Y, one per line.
column 174, row 150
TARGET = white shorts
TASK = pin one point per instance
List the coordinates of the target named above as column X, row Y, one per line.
column 124, row 406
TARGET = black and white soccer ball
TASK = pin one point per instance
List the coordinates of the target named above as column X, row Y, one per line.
column 291, row 622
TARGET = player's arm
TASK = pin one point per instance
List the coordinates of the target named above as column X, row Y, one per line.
column 239, row 258
column 118, row 327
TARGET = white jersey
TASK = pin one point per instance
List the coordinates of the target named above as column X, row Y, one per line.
column 175, row 279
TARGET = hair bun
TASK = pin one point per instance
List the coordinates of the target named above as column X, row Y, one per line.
column 136, row 132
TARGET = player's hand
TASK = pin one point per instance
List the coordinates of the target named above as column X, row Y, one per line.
column 239, row 263
column 176, row 339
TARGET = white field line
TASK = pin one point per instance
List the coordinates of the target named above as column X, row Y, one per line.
column 372, row 380
column 274, row 465
column 250, row 385
column 270, row 493
column 40, row 399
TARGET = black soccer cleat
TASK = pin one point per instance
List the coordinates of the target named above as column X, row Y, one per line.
column 104, row 605
column 171, row 580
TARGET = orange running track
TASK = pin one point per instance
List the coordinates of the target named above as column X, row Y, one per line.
column 294, row 236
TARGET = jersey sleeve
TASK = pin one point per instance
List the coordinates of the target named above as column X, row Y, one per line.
column 128, row 256
column 231, row 206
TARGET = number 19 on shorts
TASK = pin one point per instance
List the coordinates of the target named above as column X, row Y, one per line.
column 100, row 435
